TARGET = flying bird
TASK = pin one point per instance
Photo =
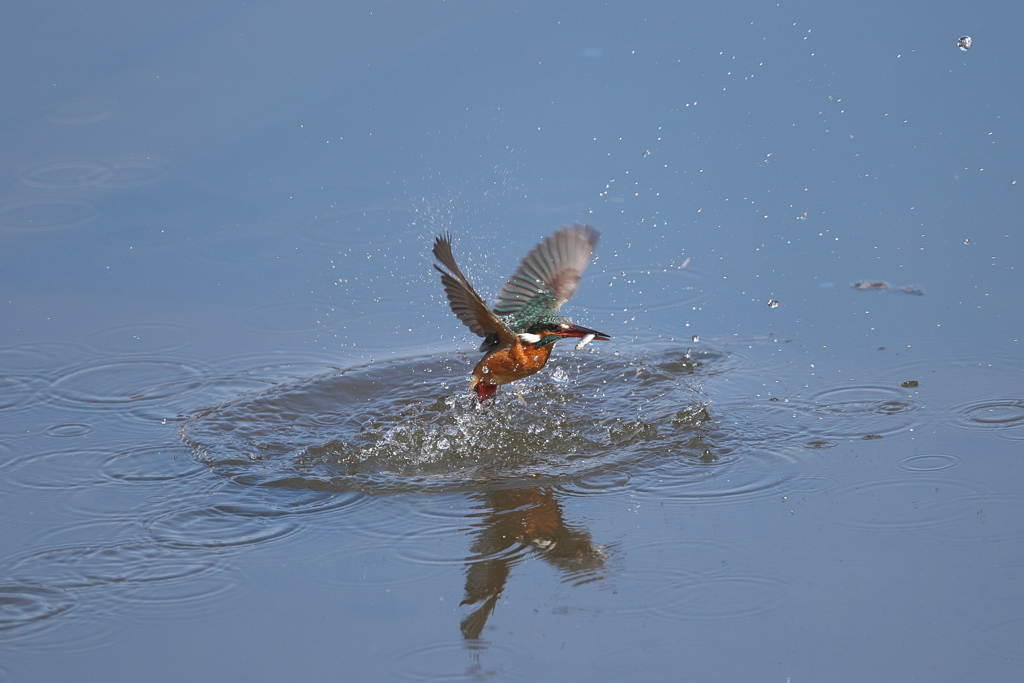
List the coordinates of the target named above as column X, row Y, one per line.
column 521, row 329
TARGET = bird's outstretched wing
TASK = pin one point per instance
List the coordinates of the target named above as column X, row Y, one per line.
column 465, row 302
column 550, row 274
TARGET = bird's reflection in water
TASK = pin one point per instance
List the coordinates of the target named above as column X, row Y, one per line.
column 530, row 518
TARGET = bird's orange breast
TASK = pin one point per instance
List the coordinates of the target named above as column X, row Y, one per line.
column 507, row 365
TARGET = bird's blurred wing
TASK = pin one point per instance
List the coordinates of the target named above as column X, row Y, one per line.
column 550, row 274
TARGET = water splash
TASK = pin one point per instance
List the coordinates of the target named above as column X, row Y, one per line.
column 409, row 425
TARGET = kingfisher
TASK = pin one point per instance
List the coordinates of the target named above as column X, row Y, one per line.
column 521, row 329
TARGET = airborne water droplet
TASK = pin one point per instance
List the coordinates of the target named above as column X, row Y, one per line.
column 773, row 303
column 560, row 375
column 964, row 43
column 695, row 338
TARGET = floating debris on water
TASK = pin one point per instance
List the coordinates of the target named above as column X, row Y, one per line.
column 880, row 286
column 964, row 43
column 909, row 384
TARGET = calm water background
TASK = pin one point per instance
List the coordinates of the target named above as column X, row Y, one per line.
column 234, row 443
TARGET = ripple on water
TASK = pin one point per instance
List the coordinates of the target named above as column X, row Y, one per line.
column 177, row 407
column 808, row 484
column 151, row 464
column 85, row 627
column 721, row 596
column 77, row 173
column 37, row 360
column 92, row 566
column 281, row 499
column 990, row 518
column 68, row 430
column 133, row 500
column 719, row 476
column 448, row 509
column 46, row 214
column 929, row 462
column 79, row 111
column 459, row 661
column 447, row 546
column 65, row 174
column 606, row 481
column 683, row 579
column 105, row 384
column 271, row 370
column 1001, row 416
column 357, row 566
column 133, row 172
column 203, row 596
column 17, row 391
column 143, row 338
column 867, row 411
column 25, row 607
column 908, row 503
column 396, row 512
column 693, row 556
column 217, row 527
column 70, row 468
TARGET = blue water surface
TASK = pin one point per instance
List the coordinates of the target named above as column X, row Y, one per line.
column 235, row 442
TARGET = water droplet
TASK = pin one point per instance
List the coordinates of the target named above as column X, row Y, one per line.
column 964, row 43
column 773, row 303
column 444, row 444
column 485, row 370
column 967, row 240
column 695, row 338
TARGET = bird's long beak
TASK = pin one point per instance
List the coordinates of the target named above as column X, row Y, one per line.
column 578, row 331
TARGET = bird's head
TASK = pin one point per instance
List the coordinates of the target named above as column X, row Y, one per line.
column 550, row 329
